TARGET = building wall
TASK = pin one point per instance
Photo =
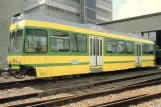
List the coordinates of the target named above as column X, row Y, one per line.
column 68, row 10
column 146, row 25
column 135, row 25
column 7, row 9
column 104, row 11
column 71, row 10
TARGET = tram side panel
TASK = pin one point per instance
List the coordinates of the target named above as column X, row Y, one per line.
column 113, row 63
column 71, row 56
column 118, row 54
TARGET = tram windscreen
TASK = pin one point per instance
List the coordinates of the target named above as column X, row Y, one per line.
column 15, row 41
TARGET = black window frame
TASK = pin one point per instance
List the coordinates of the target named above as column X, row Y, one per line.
column 86, row 43
column 131, row 45
column 107, row 52
column 150, row 51
column 145, row 48
column 61, row 32
column 124, row 47
column 33, row 32
column 21, row 42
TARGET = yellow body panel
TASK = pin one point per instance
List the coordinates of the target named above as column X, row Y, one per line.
column 148, row 61
column 118, row 66
column 47, row 59
column 69, row 69
column 35, row 59
column 148, row 58
column 42, row 72
column 118, row 62
column 148, row 64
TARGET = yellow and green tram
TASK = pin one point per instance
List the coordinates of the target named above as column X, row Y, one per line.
column 48, row 47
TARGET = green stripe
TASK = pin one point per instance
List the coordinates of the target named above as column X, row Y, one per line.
column 111, row 62
column 52, row 64
column 147, row 61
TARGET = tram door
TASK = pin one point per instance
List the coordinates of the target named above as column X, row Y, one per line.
column 138, row 54
column 95, row 51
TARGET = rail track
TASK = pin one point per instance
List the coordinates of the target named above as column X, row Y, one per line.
column 129, row 101
column 83, row 79
column 86, row 91
column 17, row 84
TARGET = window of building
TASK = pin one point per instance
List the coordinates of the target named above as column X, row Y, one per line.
column 77, row 1
column 60, row 41
column 36, row 40
column 129, row 47
column 52, row 9
column 77, row 14
column 111, row 46
column 78, row 43
column 121, row 47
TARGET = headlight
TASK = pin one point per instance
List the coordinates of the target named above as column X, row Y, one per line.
column 18, row 60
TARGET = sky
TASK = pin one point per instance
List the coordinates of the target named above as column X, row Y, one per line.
column 130, row 8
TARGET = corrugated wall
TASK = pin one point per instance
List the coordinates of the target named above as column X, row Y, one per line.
column 7, row 9
column 136, row 25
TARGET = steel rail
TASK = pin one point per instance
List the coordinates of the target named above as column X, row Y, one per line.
column 13, row 98
column 89, row 85
column 129, row 101
column 17, row 84
column 93, row 94
column 20, row 84
column 93, row 84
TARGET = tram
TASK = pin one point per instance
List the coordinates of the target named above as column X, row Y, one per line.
column 48, row 47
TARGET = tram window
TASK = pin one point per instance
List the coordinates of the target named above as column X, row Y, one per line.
column 151, row 49
column 121, row 47
column 36, row 41
column 129, row 47
column 111, row 46
column 78, row 43
column 145, row 49
column 15, row 40
column 60, row 41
